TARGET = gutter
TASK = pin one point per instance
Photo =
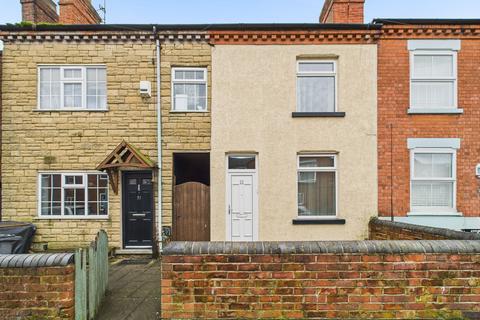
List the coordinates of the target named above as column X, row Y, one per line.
column 159, row 145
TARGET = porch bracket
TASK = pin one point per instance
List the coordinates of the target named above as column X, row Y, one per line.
column 124, row 156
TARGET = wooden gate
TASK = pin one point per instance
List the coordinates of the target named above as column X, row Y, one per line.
column 191, row 212
column 91, row 277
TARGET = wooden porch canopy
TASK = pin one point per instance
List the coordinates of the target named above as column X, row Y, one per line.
column 124, row 155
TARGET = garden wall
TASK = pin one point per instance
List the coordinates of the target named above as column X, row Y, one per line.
column 391, row 230
column 319, row 280
column 37, row 286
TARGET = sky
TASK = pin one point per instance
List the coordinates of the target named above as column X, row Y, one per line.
column 261, row 11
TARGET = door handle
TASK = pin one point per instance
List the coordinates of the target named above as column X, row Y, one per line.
column 229, row 210
column 138, row 215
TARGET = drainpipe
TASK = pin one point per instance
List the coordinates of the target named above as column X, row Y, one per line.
column 159, row 145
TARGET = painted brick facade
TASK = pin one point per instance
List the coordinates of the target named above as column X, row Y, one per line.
column 393, row 102
column 71, row 140
column 181, row 131
column 345, row 284
column 37, row 293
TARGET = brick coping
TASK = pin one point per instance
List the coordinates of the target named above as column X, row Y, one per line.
column 36, row 260
column 446, row 233
column 323, row 247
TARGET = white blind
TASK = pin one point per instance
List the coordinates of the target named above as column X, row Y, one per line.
column 316, row 94
column 433, row 81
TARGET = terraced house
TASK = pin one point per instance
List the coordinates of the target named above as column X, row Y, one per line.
column 428, row 98
column 80, row 126
column 81, row 129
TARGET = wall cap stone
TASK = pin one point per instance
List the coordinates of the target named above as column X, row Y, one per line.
column 36, row 260
column 322, row 247
column 446, row 233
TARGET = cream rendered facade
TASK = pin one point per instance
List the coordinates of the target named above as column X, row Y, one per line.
column 254, row 95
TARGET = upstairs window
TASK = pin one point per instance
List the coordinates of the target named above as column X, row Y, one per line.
column 433, row 76
column 189, row 89
column 316, row 86
column 73, row 195
column 72, row 88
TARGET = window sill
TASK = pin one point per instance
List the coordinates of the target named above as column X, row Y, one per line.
column 435, row 111
column 70, row 110
column 59, row 218
column 318, row 114
column 435, row 214
column 188, row 111
column 307, row 221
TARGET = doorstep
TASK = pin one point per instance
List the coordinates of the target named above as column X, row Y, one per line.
column 133, row 251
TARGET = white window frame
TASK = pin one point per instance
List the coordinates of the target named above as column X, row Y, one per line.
column 454, row 79
column 190, row 81
column 62, row 216
column 63, row 80
column 317, row 74
column 434, row 210
column 319, row 169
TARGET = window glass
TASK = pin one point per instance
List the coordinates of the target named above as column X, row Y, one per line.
column 83, row 87
column 433, row 182
column 241, row 162
column 316, row 94
column 189, row 90
column 68, row 191
column 320, row 162
column 433, row 80
column 317, row 190
column 316, row 67
column 316, row 186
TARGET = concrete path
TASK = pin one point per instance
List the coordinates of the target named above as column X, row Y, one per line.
column 133, row 291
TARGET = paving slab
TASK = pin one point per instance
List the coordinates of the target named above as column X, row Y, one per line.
column 133, row 291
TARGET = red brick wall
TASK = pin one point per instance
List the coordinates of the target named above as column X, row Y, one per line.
column 78, row 12
column 37, row 293
column 343, row 11
column 393, row 102
column 387, row 230
column 299, row 286
column 39, row 11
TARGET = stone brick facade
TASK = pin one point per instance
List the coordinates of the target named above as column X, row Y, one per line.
column 321, row 280
column 388, row 230
column 71, row 140
column 181, row 131
column 37, row 293
column 393, row 103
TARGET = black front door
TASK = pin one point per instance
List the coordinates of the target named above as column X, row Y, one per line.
column 137, row 209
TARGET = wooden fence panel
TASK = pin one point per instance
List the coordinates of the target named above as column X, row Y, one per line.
column 80, row 284
column 191, row 212
column 92, row 277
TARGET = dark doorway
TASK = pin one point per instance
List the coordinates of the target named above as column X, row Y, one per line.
column 191, row 194
column 137, row 209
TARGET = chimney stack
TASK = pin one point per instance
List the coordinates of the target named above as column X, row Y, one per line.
column 38, row 11
column 78, row 12
column 343, row 11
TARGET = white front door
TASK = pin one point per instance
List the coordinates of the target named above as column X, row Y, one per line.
column 242, row 204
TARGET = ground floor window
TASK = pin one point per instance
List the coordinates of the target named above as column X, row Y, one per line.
column 73, row 194
column 433, row 180
column 317, row 175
